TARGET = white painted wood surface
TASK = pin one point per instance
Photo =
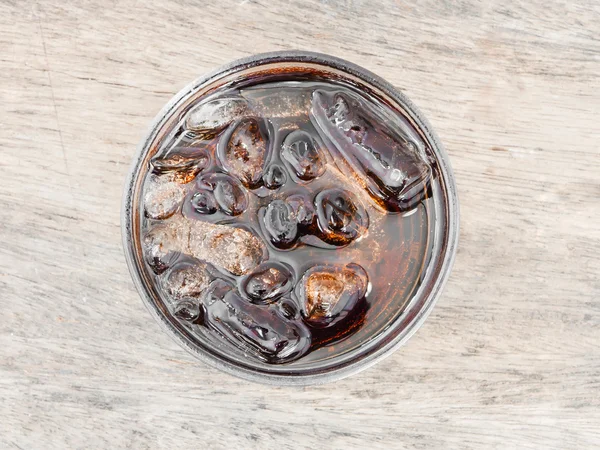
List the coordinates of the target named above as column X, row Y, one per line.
column 509, row 358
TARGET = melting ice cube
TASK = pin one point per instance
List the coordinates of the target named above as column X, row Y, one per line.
column 373, row 148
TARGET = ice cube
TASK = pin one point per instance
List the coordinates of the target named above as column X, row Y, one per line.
column 288, row 308
column 183, row 162
column 160, row 245
column 185, row 280
column 233, row 249
column 209, row 118
column 303, row 154
column 262, row 331
column 383, row 153
column 280, row 224
column 341, row 216
column 274, row 177
column 162, row 196
column 267, row 282
column 204, row 202
column 244, row 152
column 303, row 211
column 187, row 310
column 329, row 293
column 228, row 193
column 279, row 102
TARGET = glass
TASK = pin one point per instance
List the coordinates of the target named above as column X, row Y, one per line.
column 336, row 185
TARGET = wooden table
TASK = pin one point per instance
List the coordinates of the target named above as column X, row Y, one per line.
column 510, row 356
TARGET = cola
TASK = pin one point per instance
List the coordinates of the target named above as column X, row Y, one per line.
column 288, row 220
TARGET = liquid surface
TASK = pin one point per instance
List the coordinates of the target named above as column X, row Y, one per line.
column 288, row 222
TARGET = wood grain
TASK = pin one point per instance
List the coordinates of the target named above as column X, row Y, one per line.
column 510, row 356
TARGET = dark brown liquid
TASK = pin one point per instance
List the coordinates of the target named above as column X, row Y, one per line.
column 337, row 188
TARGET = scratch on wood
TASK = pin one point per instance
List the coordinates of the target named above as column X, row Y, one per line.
column 60, row 135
